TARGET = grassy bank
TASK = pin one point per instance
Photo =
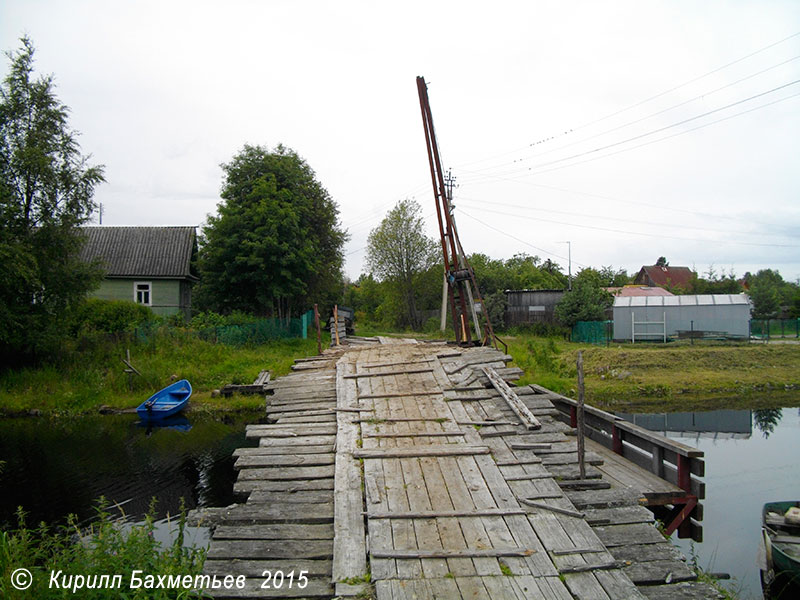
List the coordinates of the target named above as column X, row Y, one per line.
column 90, row 374
column 650, row 375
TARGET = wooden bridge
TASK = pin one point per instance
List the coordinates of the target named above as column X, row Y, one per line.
column 395, row 469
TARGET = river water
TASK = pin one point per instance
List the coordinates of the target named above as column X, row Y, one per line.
column 752, row 457
column 56, row 467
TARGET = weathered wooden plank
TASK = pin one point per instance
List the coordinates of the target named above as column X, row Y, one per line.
column 617, row 585
column 270, row 549
column 419, row 451
column 300, row 440
column 659, row 571
column 285, row 451
column 417, row 434
column 687, row 590
column 314, row 587
column 255, row 568
column 619, row 516
column 386, row 373
column 298, row 497
column 523, row 412
column 289, row 485
column 255, row 459
column 350, row 554
column 401, row 394
column 244, row 514
column 437, row 514
column 647, row 552
column 634, row 533
column 276, row 531
column 268, row 473
column 465, row 553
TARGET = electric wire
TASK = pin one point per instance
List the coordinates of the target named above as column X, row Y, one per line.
column 646, row 100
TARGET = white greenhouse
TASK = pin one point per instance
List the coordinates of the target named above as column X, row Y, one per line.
column 656, row 318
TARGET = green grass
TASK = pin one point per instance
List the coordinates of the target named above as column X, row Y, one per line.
column 105, row 548
column 91, row 374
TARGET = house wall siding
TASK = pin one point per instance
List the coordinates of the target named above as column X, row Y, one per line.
column 166, row 295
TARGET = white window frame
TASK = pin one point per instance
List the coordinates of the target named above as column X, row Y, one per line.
column 136, row 290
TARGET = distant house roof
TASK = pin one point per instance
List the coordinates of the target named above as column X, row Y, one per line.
column 155, row 252
column 656, row 276
column 638, row 290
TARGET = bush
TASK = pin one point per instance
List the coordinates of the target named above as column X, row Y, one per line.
column 110, row 316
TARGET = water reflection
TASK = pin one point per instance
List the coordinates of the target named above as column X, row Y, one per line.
column 57, row 467
column 714, row 424
column 178, row 423
column 743, row 472
column 767, row 419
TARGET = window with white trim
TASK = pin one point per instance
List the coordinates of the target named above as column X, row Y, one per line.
column 142, row 294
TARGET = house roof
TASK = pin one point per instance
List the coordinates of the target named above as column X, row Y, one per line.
column 156, row 252
column 638, row 290
column 666, row 276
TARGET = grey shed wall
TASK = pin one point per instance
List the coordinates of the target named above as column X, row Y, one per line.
column 531, row 306
column 725, row 313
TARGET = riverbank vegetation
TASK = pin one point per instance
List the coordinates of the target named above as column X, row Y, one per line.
column 89, row 373
column 677, row 375
column 81, row 558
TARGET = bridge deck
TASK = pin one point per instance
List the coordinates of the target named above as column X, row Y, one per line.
column 395, row 470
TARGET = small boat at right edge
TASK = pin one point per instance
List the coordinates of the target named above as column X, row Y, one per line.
column 780, row 526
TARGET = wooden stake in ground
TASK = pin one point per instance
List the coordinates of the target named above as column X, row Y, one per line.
column 581, row 400
column 319, row 333
column 336, row 323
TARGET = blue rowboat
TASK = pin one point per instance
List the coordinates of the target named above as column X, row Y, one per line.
column 169, row 401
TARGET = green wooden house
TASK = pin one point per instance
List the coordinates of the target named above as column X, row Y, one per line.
column 148, row 265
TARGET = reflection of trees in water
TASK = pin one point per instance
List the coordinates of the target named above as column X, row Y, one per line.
column 766, row 419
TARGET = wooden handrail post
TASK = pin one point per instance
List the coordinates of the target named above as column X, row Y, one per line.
column 616, row 439
column 684, row 473
column 580, row 417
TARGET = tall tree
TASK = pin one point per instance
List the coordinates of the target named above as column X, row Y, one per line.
column 275, row 245
column 46, row 193
column 587, row 301
column 398, row 251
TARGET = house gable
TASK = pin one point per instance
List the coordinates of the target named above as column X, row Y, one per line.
column 666, row 277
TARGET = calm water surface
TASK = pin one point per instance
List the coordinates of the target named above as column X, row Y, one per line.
column 752, row 457
column 57, row 467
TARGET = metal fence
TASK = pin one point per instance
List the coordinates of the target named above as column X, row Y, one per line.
column 255, row 333
column 593, row 332
column 774, row 328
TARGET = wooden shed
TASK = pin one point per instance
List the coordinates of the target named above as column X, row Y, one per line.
column 531, row 306
column 148, row 265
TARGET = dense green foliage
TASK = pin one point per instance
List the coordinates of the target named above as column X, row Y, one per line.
column 106, row 548
column 399, row 254
column 274, row 248
column 46, row 191
column 109, row 316
column 89, row 372
column 587, row 301
column 769, row 294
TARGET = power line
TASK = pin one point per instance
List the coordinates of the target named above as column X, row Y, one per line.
column 641, row 102
column 639, row 120
column 645, row 234
column 659, row 130
column 606, row 218
column 521, row 241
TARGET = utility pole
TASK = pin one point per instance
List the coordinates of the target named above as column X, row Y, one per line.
column 569, row 264
column 101, row 213
column 459, row 277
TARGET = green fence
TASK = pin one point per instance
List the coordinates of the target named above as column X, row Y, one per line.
column 255, row 333
column 774, row 328
column 593, row 332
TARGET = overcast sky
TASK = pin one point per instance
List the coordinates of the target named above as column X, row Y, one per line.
column 632, row 129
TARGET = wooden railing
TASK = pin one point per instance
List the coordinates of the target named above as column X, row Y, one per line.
column 676, row 463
